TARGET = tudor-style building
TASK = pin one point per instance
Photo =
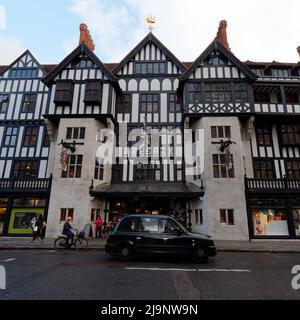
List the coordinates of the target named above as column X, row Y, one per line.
column 226, row 161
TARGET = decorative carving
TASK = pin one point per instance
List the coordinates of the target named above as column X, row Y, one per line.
column 220, row 108
column 64, row 160
column 85, row 37
column 222, row 34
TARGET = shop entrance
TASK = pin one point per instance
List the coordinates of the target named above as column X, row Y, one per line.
column 122, row 207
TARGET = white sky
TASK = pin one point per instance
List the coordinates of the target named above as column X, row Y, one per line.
column 260, row 30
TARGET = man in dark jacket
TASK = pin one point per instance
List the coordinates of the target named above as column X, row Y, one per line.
column 67, row 231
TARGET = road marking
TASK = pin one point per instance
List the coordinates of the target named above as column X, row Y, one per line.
column 9, row 260
column 51, row 251
column 162, row 269
column 189, row 270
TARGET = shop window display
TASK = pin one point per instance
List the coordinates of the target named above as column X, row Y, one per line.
column 296, row 217
column 270, row 222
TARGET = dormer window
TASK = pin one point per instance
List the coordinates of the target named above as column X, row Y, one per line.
column 93, row 92
column 84, row 63
column 23, row 73
column 64, row 93
column 258, row 71
column 150, row 68
column 281, row 72
column 215, row 59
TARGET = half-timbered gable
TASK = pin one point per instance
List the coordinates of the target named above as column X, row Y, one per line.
column 148, row 76
column 217, row 82
column 23, row 101
column 22, row 90
column 81, row 85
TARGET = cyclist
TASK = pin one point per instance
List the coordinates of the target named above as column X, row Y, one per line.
column 67, row 231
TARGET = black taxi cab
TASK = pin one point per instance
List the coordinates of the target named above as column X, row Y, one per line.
column 157, row 234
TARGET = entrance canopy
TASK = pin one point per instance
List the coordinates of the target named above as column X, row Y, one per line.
column 158, row 190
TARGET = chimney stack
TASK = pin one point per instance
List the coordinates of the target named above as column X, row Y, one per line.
column 222, row 34
column 85, row 37
column 298, row 49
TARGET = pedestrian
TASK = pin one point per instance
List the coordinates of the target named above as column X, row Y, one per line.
column 43, row 232
column 37, row 226
column 99, row 225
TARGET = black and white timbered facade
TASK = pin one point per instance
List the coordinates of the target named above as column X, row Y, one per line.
column 226, row 161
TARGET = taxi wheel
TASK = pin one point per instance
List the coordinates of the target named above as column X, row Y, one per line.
column 125, row 252
column 200, row 254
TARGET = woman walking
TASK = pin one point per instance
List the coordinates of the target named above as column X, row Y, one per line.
column 37, row 227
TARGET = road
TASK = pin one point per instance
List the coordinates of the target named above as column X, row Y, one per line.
column 94, row 275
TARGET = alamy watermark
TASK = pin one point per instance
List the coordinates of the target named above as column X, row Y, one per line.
column 152, row 145
column 2, row 278
column 296, row 278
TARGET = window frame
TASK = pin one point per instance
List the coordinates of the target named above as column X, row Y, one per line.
column 293, row 136
column 150, row 68
column 230, row 173
column 30, row 104
column 146, row 100
column 174, row 103
column 265, row 134
column 4, row 104
column 99, row 170
column 213, row 95
column 33, row 172
column 74, row 168
column 224, row 217
column 69, row 212
column 5, row 136
column 147, row 173
column 199, row 217
column 293, row 173
column 64, row 96
column 221, row 132
column 93, row 92
column 33, row 138
column 23, row 73
column 124, row 103
column 80, row 136
column 259, row 170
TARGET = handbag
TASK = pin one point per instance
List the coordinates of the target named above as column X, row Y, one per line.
column 35, row 229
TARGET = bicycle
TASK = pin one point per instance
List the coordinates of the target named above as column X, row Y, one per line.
column 79, row 242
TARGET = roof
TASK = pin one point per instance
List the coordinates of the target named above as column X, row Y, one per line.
column 79, row 50
column 5, row 68
column 150, row 38
column 160, row 190
column 215, row 45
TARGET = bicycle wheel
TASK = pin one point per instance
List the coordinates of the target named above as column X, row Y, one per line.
column 81, row 244
column 59, row 243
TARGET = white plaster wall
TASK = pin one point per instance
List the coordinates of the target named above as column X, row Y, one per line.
column 74, row 193
column 223, row 193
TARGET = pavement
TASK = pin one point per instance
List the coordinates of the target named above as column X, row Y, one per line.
column 284, row 246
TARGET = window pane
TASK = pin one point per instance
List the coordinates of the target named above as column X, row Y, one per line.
column 223, row 216
column 82, row 133
column 214, row 132
column 69, row 133
column 230, row 217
